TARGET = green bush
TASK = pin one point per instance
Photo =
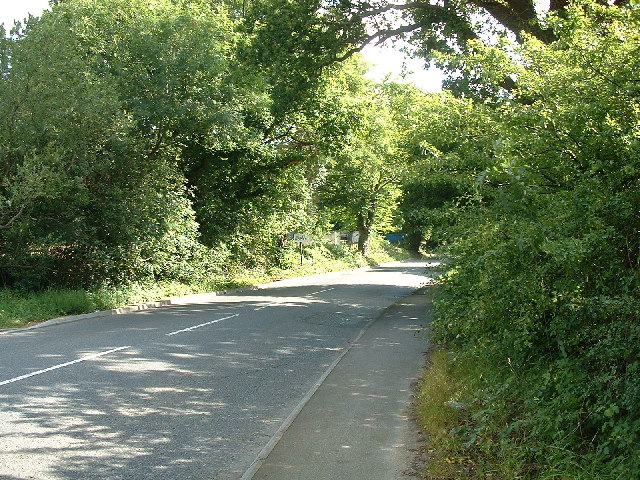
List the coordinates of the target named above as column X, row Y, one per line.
column 543, row 287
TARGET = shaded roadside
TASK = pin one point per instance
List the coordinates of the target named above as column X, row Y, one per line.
column 358, row 423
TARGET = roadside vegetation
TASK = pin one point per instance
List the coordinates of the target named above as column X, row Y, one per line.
column 536, row 370
column 19, row 307
column 157, row 148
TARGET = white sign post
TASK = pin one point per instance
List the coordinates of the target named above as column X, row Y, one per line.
column 302, row 239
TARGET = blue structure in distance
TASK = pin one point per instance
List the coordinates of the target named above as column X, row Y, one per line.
column 395, row 237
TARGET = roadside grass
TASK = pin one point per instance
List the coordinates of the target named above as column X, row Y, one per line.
column 440, row 412
column 467, row 441
column 464, row 440
column 19, row 308
column 465, row 435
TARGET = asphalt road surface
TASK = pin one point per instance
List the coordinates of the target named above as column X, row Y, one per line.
column 192, row 391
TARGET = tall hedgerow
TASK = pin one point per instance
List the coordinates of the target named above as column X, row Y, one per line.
column 543, row 287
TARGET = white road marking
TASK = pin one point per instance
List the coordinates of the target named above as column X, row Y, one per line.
column 265, row 306
column 322, row 291
column 55, row 367
column 201, row 325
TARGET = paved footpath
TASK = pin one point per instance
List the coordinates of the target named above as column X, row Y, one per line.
column 357, row 424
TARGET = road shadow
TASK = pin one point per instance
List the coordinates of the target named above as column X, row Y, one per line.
column 195, row 404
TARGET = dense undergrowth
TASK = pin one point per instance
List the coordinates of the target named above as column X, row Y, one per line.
column 538, row 311
column 20, row 307
column 476, row 430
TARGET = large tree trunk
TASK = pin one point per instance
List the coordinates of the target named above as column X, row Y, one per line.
column 365, row 222
column 414, row 242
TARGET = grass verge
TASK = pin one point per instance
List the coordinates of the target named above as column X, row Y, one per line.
column 467, row 438
column 18, row 309
column 440, row 412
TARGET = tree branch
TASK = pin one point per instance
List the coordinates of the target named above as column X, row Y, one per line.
column 13, row 219
column 399, row 7
column 379, row 38
column 518, row 16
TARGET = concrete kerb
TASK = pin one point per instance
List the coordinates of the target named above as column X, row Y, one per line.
column 183, row 300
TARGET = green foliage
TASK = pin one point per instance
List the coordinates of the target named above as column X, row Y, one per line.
column 167, row 140
column 361, row 186
column 543, row 288
column 92, row 189
column 19, row 308
column 448, row 149
column 457, row 447
column 292, row 42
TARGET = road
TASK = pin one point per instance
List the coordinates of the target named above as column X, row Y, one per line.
column 188, row 391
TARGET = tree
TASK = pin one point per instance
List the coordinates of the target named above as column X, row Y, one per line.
column 303, row 37
column 446, row 148
column 101, row 99
column 361, row 186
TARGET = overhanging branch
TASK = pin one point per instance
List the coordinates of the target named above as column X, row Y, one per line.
column 378, row 38
column 400, row 7
column 13, row 219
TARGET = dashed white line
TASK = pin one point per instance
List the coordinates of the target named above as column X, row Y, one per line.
column 66, row 364
column 265, row 306
column 101, row 354
column 322, row 291
column 201, row 325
